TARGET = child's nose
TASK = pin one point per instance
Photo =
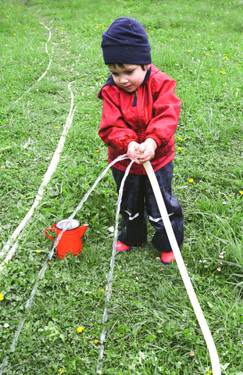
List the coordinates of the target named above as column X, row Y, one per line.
column 123, row 79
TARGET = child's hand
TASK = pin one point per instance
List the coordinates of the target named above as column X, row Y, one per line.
column 143, row 152
column 146, row 150
column 133, row 150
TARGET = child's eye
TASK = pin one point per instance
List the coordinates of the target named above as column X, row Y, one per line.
column 115, row 74
column 129, row 72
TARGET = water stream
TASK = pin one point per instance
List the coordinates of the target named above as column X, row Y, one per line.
column 108, row 290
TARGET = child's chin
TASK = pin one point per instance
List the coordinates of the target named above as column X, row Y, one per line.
column 129, row 89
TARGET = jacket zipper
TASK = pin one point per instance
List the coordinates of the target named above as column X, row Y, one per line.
column 134, row 103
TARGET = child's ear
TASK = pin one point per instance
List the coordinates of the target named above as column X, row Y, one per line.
column 145, row 67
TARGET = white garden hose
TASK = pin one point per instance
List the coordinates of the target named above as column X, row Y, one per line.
column 183, row 271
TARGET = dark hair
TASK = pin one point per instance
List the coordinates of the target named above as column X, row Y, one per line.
column 122, row 65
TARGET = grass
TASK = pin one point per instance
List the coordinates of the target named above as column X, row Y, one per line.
column 151, row 327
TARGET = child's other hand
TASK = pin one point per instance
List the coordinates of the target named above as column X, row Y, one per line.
column 146, row 150
column 133, row 151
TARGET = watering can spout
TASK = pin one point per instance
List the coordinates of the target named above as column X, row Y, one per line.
column 82, row 230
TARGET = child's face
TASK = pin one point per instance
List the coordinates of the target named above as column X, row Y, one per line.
column 128, row 77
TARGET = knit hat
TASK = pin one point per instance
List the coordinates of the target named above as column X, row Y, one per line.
column 126, row 42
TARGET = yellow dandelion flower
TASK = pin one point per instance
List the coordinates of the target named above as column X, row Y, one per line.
column 190, row 180
column 222, row 71
column 179, row 149
column 1, row 296
column 241, row 192
column 80, row 329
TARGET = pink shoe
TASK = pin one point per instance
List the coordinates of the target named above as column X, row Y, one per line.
column 167, row 257
column 121, row 247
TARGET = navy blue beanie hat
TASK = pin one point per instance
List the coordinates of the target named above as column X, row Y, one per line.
column 126, row 42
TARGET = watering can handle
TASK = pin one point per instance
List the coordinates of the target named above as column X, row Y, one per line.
column 50, row 229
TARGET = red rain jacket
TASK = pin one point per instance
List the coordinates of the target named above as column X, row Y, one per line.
column 152, row 112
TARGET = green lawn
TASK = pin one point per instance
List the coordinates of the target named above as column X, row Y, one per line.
column 151, row 328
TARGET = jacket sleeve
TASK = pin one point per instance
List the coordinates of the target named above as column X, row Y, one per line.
column 113, row 130
column 166, row 112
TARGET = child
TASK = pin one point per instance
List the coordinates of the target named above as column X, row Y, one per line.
column 140, row 116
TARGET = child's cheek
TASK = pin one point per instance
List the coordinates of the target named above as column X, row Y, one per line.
column 138, row 82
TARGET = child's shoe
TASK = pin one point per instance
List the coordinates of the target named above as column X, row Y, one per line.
column 121, row 247
column 167, row 257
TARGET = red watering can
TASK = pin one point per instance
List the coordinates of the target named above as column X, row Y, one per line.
column 71, row 239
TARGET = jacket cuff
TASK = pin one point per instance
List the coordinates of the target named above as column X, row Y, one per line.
column 155, row 138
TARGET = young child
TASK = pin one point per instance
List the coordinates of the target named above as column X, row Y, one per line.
column 139, row 117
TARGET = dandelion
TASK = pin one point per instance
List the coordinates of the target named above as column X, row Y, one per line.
column 241, row 192
column 191, row 354
column 179, row 149
column 190, row 180
column 80, row 329
column 1, row 296
column 222, row 71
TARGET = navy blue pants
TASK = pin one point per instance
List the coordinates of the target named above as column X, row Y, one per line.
column 139, row 204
